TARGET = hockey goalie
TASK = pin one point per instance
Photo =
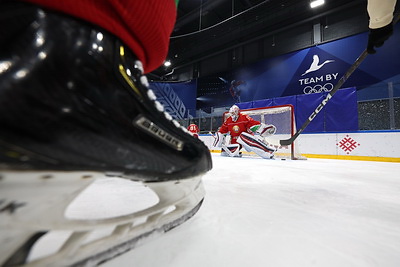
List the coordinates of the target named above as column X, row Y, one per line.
column 245, row 132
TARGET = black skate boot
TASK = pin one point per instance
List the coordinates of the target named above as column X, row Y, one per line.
column 72, row 97
column 74, row 104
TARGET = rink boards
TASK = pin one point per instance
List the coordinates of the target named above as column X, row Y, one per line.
column 366, row 145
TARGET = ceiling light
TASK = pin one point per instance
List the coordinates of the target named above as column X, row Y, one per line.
column 167, row 63
column 315, row 3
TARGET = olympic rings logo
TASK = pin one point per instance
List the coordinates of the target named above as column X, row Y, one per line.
column 318, row 88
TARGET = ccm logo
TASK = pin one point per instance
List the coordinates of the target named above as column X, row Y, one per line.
column 318, row 109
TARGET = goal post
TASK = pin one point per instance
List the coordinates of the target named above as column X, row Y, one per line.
column 283, row 118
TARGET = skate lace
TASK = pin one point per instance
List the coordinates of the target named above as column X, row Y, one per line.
column 152, row 96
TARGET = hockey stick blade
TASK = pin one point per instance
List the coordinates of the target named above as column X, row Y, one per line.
column 342, row 80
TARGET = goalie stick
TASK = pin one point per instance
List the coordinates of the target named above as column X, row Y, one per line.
column 356, row 64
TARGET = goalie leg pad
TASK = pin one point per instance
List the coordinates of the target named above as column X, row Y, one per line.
column 232, row 150
column 252, row 143
column 219, row 139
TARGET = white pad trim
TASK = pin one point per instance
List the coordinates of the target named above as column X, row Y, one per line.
column 252, row 143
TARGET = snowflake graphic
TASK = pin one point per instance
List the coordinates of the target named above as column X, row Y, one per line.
column 348, row 144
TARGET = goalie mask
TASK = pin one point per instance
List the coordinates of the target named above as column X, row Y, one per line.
column 234, row 112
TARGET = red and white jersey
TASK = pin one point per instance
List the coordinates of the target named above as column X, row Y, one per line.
column 194, row 129
column 235, row 128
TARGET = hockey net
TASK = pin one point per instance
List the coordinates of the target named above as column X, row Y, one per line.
column 284, row 120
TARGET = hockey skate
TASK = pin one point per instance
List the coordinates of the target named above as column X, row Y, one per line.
column 75, row 107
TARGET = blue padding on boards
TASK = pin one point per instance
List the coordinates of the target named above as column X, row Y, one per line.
column 341, row 111
column 262, row 103
column 286, row 100
column 245, row 105
column 339, row 114
column 306, row 104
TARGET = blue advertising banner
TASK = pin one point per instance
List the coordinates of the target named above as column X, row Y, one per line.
column 178, row 99
column 302, row 78
column 305, row 105
column 313, row 70
column 339, row 114
column 320, row 71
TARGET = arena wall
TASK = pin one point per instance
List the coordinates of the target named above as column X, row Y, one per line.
column 365, row 145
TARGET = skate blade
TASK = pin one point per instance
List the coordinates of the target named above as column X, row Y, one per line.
column 43, row 199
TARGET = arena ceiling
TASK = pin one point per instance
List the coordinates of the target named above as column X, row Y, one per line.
column 206, row 27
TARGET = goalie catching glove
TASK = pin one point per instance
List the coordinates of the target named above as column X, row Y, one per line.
column 264, row 129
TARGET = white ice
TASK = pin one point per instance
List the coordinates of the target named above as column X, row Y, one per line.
column 257, row 213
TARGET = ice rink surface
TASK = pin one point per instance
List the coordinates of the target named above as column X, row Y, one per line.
column 260, row 213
